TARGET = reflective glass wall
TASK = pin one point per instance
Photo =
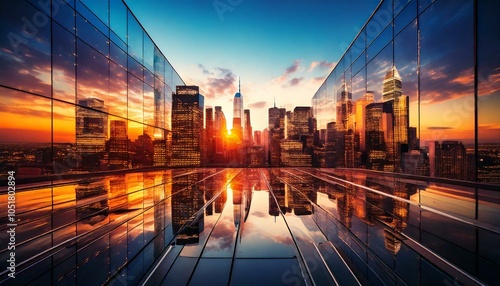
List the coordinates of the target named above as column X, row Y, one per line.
column 82, row 88
column 418, row 88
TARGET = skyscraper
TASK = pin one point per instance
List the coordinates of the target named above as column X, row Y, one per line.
column 247, row 127
column 330, row 138
column 375, row 140
column 209, row 134
column 301, row 119
column 360, row 111
column 344, row 108
column 392, row 85
column 345, row 122
column 451, row 160
column 397, row 136
column 220, row 132
column 238, row 114
column 91, row 133
column 143, row 151
column 118, row 145
column 292, row 154
column 187, row 126
column 276, row 133
column 257, row 137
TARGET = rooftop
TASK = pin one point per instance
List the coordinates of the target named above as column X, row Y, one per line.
column 301, row 226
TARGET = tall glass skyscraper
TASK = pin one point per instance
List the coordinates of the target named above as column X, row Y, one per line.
column 238, row 114
column 83, row 84
column 440, row 83
column 187, row 126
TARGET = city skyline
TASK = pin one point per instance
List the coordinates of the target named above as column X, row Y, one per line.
column 301, row 75
column 84, row 76
column 277, row 48
column 314, row 62
column 249, row 142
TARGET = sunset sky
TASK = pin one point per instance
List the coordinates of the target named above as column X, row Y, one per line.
column 282, row 49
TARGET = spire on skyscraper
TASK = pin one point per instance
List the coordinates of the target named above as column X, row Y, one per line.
column 238, row 113
column 392, row 87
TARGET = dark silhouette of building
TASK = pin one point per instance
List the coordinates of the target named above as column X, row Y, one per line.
column 276, row 133
column 413, row 142
column 143, row 151
column 220, row 134
column 247, row 136
column 257, row 138
column 187, row 126
column 451, row 160
column 209, row 135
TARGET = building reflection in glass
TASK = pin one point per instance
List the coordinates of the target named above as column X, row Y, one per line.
column 187, row 199
column 91, row 133
column 93, row 195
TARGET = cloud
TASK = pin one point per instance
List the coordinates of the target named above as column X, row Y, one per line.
column 322, row 65
column 204, row 70
column 220, row 83
column 489, row 83
column 295, row 81
column 293, row 68
column 257, row 105
column 439, row 128
column 260, row 214
column 319, row 79
column 288, row 71
column 488, row 126
column 465, row 78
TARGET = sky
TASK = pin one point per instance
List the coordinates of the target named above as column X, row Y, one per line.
column 280, row 50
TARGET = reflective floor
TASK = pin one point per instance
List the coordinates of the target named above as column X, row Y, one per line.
column 288, row 226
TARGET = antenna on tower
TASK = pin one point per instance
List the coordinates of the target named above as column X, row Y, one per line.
column 274, row 101
column 239, row 85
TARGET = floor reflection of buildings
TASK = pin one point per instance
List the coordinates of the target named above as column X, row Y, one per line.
column 294, row 196
column 213, row 187
column 278, row 189
column 237, row 188
column 399, row 220
column 345, row 197
column 251, row 182
column 222, row 198
column 118, row 198
column 359, row 201
column 373, row 208
column 92, row 201
column 187, row 200
column 393, row 213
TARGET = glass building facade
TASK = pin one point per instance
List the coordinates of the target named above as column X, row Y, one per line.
column 82, row 88
column 419, row 77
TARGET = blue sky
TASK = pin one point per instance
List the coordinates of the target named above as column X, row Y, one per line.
column 280, row 49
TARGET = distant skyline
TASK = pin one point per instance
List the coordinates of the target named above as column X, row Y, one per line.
column 279, row 49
